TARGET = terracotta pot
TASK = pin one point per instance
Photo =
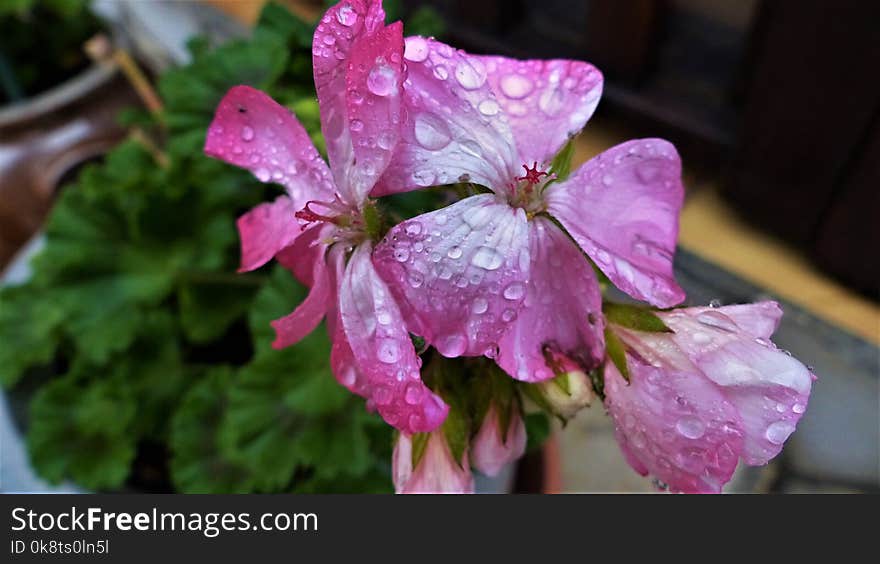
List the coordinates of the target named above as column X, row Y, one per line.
column 45, row 138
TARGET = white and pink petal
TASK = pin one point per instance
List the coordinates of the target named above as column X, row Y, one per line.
column 383, row 350
column 622, row 208
column 459, row 273
column 454, row 129
column 562, row 313
column 334, row 45
column 674, row 425
column 374, row 100
column 769, row 388
column 546, row 101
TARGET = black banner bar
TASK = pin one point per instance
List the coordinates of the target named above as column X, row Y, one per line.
column 267, row 528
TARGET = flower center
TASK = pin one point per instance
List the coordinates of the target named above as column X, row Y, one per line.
column 527, row 191
column 353, row 226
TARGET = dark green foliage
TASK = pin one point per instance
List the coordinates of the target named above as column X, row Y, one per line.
column 41, row 45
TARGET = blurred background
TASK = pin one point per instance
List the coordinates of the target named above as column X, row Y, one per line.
column 773, row 104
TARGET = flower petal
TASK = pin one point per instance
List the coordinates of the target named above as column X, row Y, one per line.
column 437, row 473
column 490, row 450
column 562, row 310
column 759, row 320
column 333, row 46
column 300, row 257
column 622, row 209
column 675, row 425
column 768, row 387
column 459, row 273
column 546, row 102
column 454, row 128
column 342, row 361
column 291, row 328
column 266, row 230
column 252, row 131
column 383, row 349
column 374, row 106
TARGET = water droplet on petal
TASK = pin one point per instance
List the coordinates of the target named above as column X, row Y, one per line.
column 401, row 254
column 431, row 132
column 262, row 175
column 489, row 107
column 386, row 140
column 798, row 408
column 717, row 320
column 779, row 431
column 416, row 279
column 515, row 291
column 452, row 345
column 381, row 80
column 388, row 351
column 413, row 393
column 454, row 252
column 480, row 305
column 487, row 258
column 441, row 72
column 516, row 86
column 416, row 49
column 247, row 133
column 346, row 15
column 413, row 228
column 469, row 77
column 552, row 101
column 356, row 125
column 690, row 427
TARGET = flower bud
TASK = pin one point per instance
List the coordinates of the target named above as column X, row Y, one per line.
column 570, row 391
column 495, row 446
column 423, row 463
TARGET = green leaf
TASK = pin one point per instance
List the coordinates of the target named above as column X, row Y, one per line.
column 561, row 164
column 191, row 93
column 197, row 463
column 597, row 379
column 277, row 20
column 209, row 307
column 616, row 351
column 638, row 318
column 419, row 444
column 28, row 331
column 537, row 430
column 82, row 430
column 457, row 430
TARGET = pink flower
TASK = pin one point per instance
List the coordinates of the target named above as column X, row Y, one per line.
column 436, row 470
column 497, row 445
column 714, row 391
column 358, row 71
column 495, row 274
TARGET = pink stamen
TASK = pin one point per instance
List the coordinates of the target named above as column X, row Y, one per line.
column 533, row 175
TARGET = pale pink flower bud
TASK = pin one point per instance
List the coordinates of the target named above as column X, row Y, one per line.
column 494, row 447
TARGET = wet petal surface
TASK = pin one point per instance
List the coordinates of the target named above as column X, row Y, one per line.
column 454, row 129
column 546, row 102
column 252, row 131
column 622, row 208
column 459, row 273
column 383, row 350
column 562, row 310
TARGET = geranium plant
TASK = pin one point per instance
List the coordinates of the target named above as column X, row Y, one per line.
column 456, row 323
column 139, row 358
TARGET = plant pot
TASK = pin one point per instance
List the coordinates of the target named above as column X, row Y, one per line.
column 44, row 139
